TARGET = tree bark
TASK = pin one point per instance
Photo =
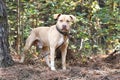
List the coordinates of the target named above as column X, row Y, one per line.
column 5, row 58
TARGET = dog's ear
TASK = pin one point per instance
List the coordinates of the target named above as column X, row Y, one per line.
column 56, row 16
column 73, row 18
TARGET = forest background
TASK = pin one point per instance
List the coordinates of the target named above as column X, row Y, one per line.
column 97, row 30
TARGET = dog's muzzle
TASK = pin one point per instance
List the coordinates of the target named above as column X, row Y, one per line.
column 64, row 31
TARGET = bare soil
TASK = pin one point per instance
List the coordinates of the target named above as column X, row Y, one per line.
column 99, row 67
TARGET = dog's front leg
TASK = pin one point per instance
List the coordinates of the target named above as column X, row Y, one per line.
column 64, row 53
column 52, row 58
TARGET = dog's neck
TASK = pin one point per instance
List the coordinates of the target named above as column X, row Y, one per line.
column 63, row 33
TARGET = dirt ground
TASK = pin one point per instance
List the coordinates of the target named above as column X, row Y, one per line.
column 99, row 67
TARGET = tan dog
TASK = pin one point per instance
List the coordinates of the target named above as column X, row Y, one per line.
column 51, row 38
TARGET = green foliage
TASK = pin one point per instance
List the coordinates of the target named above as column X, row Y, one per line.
column 98, row 22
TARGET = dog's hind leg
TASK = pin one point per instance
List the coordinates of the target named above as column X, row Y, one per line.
column 28, row 44
column 46, row 53
column 47, row 58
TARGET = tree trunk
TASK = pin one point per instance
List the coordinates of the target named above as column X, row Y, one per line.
column 5, row 58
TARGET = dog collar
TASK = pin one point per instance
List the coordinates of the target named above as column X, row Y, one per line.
column 64, row 33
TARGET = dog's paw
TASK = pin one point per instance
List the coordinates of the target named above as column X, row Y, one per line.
column 21, row 61
column 53, row 69
column 64, row 68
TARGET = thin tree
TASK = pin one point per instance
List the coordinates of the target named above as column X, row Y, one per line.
column 5, row 58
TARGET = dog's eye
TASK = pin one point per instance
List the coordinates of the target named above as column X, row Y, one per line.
column 61, row 20
column 68, row 21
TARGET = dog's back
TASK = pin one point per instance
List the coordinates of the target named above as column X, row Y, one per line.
column 41, row 34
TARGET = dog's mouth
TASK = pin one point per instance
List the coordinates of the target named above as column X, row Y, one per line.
column 64, row 30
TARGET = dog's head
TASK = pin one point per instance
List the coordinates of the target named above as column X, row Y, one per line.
column 64, row 21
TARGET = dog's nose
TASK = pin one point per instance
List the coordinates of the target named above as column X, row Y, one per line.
column 64, row 26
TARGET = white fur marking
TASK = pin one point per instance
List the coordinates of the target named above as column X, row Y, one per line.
column 52, row 65
column 61, row 40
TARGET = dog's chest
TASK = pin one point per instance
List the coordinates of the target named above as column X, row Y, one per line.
column 60, row 41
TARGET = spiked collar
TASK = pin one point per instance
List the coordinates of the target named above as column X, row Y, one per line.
column 63, row 33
